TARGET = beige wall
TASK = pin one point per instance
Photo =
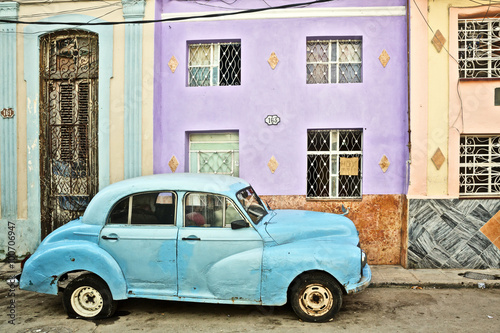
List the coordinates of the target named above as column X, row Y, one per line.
column 34, row 11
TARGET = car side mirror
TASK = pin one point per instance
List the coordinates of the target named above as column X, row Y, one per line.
column 239, row 224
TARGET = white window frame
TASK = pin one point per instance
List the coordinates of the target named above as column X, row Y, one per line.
column 335, row 62
column 214, row 65
column 335, row 152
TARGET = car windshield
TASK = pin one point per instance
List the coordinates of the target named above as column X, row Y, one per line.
column 252, row 204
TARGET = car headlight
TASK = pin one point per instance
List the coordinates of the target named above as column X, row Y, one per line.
column 364, row 260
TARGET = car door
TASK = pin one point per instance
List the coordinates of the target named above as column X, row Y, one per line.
column 213, row 260
column 141, row 235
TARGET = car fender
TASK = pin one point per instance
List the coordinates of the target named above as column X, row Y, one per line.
column 45, row 267
column 283, row 263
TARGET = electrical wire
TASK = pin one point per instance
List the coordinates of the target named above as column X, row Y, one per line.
column 174, row 19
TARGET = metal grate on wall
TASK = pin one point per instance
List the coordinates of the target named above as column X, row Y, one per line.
column 479, row 48
column 479, row 165
column 327, row 154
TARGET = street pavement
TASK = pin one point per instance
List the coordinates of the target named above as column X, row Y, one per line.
column 392, row 276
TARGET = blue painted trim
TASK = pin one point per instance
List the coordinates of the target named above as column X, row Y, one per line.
column 8, row 99
column 133, row 10
column 32, row 34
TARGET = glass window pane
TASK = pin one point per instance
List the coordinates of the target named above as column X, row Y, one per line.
column 199, row 76
column 317, row 74
column 144, row 208
column 119, row 214
column 317, row 51
column 199, row 54
column 350, row 51
column 349, row 73
column 318, row 140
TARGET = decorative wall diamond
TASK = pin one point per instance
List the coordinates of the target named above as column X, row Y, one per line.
column 273, row 60
column 384, row 163
column 272, row 164
column 384, row 58
column 173, row 163
column 438, row 159
column 173, row 63
column 492, row 229
column 438, row 40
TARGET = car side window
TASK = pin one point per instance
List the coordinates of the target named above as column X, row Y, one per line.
column 209, row 210
column 145, row 208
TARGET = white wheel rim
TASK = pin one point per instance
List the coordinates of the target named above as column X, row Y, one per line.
column 86, row 301
column 316, row 300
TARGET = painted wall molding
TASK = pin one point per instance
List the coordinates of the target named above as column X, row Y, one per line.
column 133, row 10
column 8, row 97
column 294, row 13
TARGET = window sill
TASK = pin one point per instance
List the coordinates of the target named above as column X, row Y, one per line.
column 469, row 197
column 334, row 199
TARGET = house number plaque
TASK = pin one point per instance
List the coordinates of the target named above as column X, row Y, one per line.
column 7, row 113
column 272, row 120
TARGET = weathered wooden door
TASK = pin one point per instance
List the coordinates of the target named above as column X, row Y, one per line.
column 68, row 125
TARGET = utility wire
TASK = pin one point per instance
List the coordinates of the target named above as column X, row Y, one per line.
column 173, row 19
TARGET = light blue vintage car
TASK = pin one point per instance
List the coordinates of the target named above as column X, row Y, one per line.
column 198, row 238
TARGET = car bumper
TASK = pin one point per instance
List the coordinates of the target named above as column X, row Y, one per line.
column 363, row 283
column 14, row 280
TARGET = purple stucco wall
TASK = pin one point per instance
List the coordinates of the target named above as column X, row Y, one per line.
column 378, row 104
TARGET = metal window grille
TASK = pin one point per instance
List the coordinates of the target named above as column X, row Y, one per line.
column 333, row 61
column 327, row 150
column 479, row 48
column 216, row 153
column 218, row 162
column 214, row 64
column 479, row 165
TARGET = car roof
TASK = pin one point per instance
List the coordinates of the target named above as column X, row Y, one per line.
column 98, row 208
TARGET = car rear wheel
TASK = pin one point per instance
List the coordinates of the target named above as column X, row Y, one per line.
column 316, row 297
column 88, row 297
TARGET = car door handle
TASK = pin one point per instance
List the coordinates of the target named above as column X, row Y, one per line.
column 191, row 238
column 112, row 238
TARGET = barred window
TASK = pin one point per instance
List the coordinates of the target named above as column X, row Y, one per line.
column 214, row 64
column 334, row 160
column 479, row 48
column 216, row 153
column 479, row 165
column 333, row 61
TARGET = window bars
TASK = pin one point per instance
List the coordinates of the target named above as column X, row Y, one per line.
column 479, row 165
column 479, row 48
column 216, row 153
column 214, row 64
column 334, row 61
column 334, row 163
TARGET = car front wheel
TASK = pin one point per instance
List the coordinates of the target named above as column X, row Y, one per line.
column 88, row 297
column 316, row 297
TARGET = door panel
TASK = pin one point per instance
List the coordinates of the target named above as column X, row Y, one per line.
column 219, row 263
column 146, row 255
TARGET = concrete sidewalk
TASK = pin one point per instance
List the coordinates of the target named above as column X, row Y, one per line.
column 397, row 276
column 388, row 276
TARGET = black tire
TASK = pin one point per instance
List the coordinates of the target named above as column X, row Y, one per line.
column 316, row 297
column 88, row 297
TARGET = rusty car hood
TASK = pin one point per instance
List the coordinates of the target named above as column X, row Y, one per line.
column 287, row 226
